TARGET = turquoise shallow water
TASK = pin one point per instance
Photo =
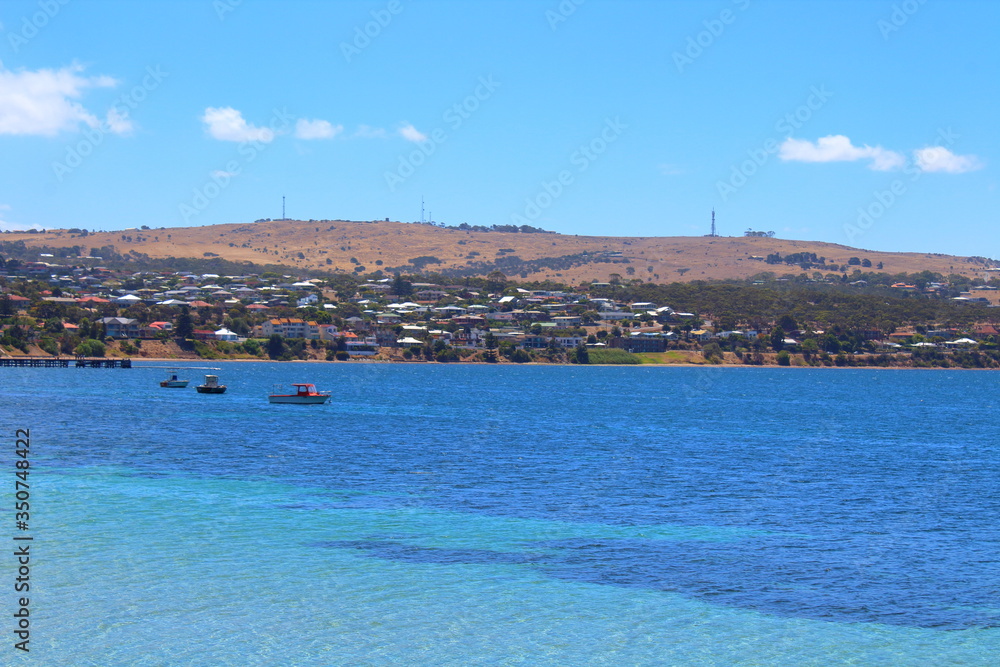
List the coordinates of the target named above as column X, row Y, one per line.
column 531, row 515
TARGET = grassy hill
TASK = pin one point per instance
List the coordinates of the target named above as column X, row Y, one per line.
column 364, row 247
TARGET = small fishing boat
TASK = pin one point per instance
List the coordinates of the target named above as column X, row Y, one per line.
column 304, row 394
column 173, row 383
column 211, row 386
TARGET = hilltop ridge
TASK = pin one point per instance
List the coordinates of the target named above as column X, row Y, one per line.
column 365, row 247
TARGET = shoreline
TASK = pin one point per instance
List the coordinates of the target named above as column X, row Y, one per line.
column 173, row 362
column 139, row 360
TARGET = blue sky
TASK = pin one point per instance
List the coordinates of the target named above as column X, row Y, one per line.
column 871, row 124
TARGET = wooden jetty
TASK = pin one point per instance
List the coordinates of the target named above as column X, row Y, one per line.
column 63, row 362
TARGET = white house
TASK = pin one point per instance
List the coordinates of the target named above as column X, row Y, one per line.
column 128, row 300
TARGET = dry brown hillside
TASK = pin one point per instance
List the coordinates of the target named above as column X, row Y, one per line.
column 336, row 245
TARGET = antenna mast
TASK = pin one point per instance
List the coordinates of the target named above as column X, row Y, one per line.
column 713, row 223
column 283, row 208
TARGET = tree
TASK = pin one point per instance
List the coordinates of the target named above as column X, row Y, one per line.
column 777, row 338
column 712, row 351
column 239, row 326
column 185, row 325
column 275, row 346
column 830, row 344
column 581, row 356
column 90, row 348
column 496, row 281
column 726, row 322
column 401, row 287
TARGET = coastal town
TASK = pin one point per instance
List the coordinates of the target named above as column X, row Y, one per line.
column 57, row 310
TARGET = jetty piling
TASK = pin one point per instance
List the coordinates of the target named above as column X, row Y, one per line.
column 63, row 362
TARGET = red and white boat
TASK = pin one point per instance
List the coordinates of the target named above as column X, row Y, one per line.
column 304, row 394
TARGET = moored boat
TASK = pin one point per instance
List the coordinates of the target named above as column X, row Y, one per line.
column 211, row 386
column 304, row 394
column 173, row 383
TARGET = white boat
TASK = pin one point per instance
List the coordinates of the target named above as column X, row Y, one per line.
column 173, row 383
column 304, row 394
column 211, row 386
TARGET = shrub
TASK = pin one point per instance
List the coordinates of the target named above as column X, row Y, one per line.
column 520, row 356
column 90, row 348
column 447, row 354
column 712, row 351
column 49, row 345
column 251, row 346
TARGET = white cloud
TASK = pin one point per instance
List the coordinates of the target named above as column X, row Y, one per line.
column 939, row 158
column 411, row 133
column 838, row 148
column 228, row 124
column 13, row 226
column 316, row 129
column 45, row 102
column 118, row 122
column 16, row 227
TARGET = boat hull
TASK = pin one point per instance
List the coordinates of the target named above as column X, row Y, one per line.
column 221, row 389
column 302, row 400
column 174, row 384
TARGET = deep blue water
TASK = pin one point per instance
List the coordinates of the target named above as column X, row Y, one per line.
column 558, row 515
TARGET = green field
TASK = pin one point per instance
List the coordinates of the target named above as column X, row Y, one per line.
column 612, row 356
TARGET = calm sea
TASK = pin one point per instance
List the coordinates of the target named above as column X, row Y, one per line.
column 455, row 515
